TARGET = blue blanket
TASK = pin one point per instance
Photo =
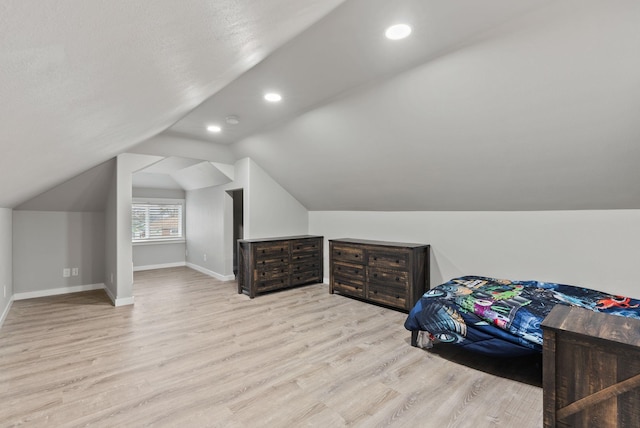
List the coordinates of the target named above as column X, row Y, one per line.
column 502, row 317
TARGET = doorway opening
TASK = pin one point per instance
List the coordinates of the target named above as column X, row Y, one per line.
column 238, row 224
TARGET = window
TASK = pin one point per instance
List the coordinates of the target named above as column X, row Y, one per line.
column 154, row 221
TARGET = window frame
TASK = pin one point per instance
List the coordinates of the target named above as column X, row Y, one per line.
column 159, row 202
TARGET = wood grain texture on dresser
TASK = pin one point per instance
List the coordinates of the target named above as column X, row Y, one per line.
column 393, row 274
column 276, row 263
column 591, row 369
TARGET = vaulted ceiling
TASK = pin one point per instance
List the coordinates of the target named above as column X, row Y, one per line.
column 492, row 105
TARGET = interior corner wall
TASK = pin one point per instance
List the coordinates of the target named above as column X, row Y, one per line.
column 110, row 241
column 6, row 263
column 594, row 249
column 269, row 210
column 46, row 242
column 209, row 224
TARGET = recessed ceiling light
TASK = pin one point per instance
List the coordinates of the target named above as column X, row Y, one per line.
column 398, row 31
column 273, row 97
column 214, row 128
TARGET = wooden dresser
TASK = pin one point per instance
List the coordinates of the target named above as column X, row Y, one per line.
column 591, row 369
column 394, row 274
column 274, row 263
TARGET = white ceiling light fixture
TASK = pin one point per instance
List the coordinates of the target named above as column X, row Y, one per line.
column 273, row 97
column 398, row 31
column 214, row 129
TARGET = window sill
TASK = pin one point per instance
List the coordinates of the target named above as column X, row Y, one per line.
column 165, row 241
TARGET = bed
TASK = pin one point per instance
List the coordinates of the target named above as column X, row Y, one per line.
column 500, row 317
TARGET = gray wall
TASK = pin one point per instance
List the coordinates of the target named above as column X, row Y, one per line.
column 45, row 242
column 6, row 282
column 110, row 241
column 205, row 213
column 269, row 210
column 596, row 249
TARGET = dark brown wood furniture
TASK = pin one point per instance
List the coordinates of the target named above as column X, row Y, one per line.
column 275, row 263
column 591, row 369
column 394, row 274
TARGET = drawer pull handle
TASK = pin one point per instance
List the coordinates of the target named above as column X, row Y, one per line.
column 375, row 258
column 397, row 297
column 397, row 278
column 397, row 261
column 375, row 291
column 375, row 275
column 339, row 253
column 356, row 256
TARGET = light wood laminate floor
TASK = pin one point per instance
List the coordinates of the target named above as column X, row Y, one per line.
column 192, row 352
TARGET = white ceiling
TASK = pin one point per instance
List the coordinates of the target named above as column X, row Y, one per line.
column 82, row 81
column 492, row 105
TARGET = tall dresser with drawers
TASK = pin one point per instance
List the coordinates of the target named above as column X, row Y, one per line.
column 275, row 263
column 393, row 274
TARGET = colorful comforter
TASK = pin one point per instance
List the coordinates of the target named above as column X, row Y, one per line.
column 499, row 316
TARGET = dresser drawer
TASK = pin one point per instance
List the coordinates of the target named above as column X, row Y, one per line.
column 388, row 259
column 306, row 276
column 346, row 253
column 271, row 249
column 349, row 270
column 271, row 263
column 303, row 267
column 305, row 257
column 348, row 286
column 394, row 278
column 272, row 284
column 281, row 272
column 305, row 245
column 388, row 295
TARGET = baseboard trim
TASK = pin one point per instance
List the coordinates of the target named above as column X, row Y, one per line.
column 160, row 266
column 56, row 291
column 216, row 275
column 6, row 311
column 325, row 281
column 122, row 301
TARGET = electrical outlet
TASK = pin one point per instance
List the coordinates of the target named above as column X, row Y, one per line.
column 75, row 271
column 111, row 282
column 66, row 272
column 205, row 257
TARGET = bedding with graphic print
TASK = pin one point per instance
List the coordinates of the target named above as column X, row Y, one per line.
column 501, row 317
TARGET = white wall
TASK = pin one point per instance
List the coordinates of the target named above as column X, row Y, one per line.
column 270, row 210
column 119, row 253
column 595, row 249
column 6, row 281
column 45, row 242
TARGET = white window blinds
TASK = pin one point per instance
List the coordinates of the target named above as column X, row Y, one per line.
column 156, row 221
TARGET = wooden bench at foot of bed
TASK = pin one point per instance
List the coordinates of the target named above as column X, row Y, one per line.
column 591, row 369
